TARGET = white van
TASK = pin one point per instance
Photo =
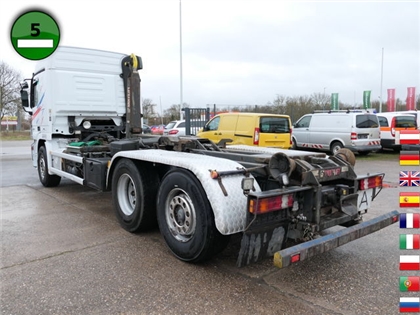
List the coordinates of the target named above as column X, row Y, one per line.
column 391, row 122
column 356, row 130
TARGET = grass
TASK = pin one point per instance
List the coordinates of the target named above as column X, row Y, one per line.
column 383, row 155
column 15, row 135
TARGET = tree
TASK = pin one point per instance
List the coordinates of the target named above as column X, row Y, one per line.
column 9, row 90
column 320, row 101
column 149, row 109
column 173, row 112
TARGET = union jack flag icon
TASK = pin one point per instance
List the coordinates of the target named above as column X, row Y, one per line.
column 410, row 178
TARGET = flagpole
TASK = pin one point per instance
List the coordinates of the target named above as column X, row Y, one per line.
column 382, row 76
column 180, row 61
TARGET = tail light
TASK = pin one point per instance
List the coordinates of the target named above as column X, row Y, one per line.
column 370, row 182
column 353, row 136
column 256, row 136
column 290, row 131
column 173, row 132
column 393, row 123
column 264, row 205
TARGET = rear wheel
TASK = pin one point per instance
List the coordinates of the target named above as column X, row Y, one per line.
column 335, row 146
column 133, row 194
column 186, row 219
column 46, row 179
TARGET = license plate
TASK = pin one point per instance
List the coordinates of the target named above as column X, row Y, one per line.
column 362, row 136
column 364, row 199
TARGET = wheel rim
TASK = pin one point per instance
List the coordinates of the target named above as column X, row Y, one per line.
column 180, row 215
column 336, row 148
column 42, row 167
column 126, row 193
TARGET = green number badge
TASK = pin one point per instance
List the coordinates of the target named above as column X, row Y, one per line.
column 35, row 35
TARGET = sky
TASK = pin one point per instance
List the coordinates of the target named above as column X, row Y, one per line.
column 243, row 52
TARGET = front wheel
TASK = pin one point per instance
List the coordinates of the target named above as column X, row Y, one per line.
column 294, row 144
column 186, row 219
column 46, row 179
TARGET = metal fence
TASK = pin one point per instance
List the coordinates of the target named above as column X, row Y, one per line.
column 195, row 119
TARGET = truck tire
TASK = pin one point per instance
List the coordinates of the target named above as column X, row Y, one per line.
column 186, row 219
column 134, row 190
column 335, row 146
column 46, row 179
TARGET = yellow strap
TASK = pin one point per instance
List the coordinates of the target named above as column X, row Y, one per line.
column 134, row 57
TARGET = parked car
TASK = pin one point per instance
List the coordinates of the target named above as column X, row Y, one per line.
column 157, row 129
column 146, row 129
column 356, row 130
column 177, row 127
column 267, row 130
column 390, row 123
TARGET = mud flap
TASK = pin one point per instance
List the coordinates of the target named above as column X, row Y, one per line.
column 256, row 245
column 349, row 204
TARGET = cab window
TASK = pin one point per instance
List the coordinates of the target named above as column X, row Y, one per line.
column 212, row 124
column 303, row 122
column 383, row 122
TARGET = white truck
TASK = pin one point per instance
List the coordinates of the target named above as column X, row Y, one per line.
column 86, row 126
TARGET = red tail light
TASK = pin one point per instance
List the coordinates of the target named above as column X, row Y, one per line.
column 393, row 123
column 290, row 131
column 353, row 136
column 256, row 136
column 265, row 205
column 173, row 132
column 370, row 182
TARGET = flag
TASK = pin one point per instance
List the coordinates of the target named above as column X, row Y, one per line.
column 409, row 241
column 409, row 284
column 334, row 101
column 409, row 136
column 409, row 262
column 409, row 304
column 366, row 99
column 409, row 220
column 410, row 158
column 410, row 178
column 391, row 100
column 411, row 98
column 409, row 199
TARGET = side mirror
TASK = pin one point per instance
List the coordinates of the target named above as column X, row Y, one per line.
column 25, row 101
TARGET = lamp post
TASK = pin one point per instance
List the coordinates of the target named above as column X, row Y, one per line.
column 180, row 62
column 323, row 100
column 382, row 75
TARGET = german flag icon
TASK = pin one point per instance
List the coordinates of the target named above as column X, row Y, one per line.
column 410, row 158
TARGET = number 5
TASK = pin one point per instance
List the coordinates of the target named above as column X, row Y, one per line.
column 35, row 28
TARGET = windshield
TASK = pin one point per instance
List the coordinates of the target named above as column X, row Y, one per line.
column 170, row 125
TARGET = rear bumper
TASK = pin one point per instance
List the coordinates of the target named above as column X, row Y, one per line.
column 364, row 148
column 286, row 257
column 390, row 144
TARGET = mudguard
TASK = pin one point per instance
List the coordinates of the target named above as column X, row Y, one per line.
column 229, row 211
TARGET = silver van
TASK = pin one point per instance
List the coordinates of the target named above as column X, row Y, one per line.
column 356, row 130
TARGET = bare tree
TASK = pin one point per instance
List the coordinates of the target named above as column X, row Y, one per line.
column 173, row 112
column 320, row 101
column 149, row 109
column 9, row 90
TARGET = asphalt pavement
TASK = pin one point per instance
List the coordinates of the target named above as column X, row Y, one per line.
column 63, row 252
